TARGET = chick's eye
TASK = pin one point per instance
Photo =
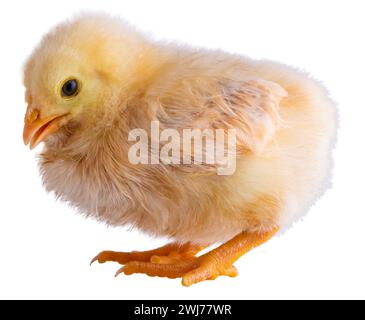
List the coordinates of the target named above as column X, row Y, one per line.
column 70, row 88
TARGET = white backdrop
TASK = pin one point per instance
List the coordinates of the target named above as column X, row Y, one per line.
column 45, row 248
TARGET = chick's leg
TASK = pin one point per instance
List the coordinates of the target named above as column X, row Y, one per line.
column 170, row 253
column 206, row 267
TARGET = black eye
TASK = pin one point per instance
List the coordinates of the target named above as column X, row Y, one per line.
column 70, row 88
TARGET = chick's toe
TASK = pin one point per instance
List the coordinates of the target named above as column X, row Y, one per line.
column 169, row 253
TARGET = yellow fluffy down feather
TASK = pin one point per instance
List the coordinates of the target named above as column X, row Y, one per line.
column 127, row 81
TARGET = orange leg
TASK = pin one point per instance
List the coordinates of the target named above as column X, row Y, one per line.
column 170, row 253
column 206, row 267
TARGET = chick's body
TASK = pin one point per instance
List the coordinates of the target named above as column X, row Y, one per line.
column 283, row 154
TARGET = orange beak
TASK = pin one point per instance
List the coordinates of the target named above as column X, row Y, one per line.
column 37, row 130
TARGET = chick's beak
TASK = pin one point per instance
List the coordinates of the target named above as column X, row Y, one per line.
column 37, row 129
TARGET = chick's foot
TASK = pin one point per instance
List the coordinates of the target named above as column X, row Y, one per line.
column 170, row 253
column 206, row 267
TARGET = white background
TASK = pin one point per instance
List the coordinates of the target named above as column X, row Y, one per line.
column 45, row 248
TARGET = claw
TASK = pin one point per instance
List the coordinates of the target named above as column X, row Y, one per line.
column 119, row 272
column 93, row 260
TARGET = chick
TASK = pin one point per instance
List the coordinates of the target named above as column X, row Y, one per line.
column 94, row 79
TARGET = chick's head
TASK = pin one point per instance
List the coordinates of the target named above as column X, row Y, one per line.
column 77, row 73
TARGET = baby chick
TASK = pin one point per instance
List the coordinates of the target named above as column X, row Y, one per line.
column 94, row 79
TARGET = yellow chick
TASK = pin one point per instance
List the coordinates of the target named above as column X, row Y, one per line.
column 94, row 79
